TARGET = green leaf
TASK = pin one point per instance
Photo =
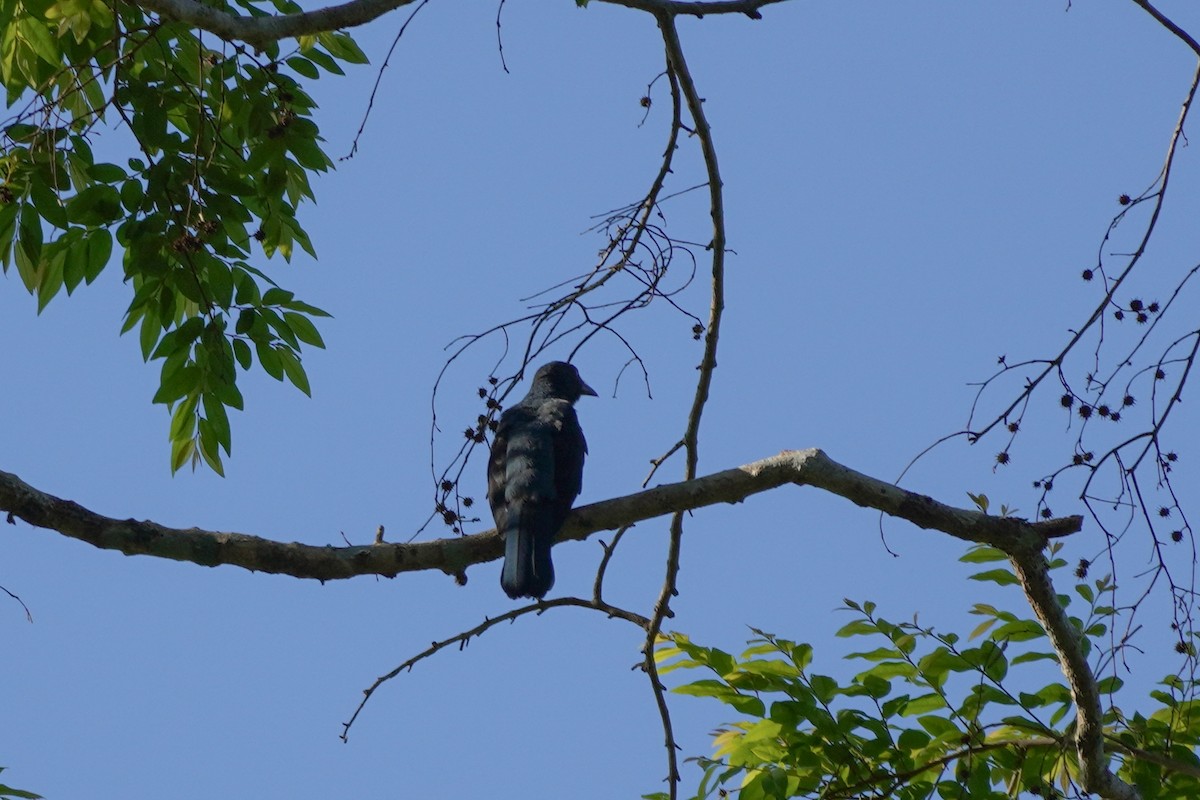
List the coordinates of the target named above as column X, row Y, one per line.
column 99, row 251
column 95, row 205
column 107, row 173
column 939, row 726
column 270, row 360
column 824, row 687
column 981, row 628
column 47, row 202
column 241, row 352
column 982, row 554
column 132, row 195
column 923, row 704
column 50, row 278
column 304, row 329
column 340, row 45
column 859, row 627
column 304, row 67
column 208, row 448
column 40, row 40
column 276, row 296
column 1001, row 577
column 182, row 451
column 182, row 382
column 183, row 420
column 1020, row 631
column 217, row 421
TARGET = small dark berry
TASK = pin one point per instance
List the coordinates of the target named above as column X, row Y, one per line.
column 1013, row 427
column 469, row 433
column 1135, row 305
column 259, row 235
column 1164, row 512
column 1102, row 411
column 493, row 381
column 482, row 392
column 1176, row 536
column 1088, row 456
column 1172, row 456
column 1087, row 274
column 1152, row 308
column 447, row 485
column 1085, row 411
column 1067, row 401
column 1037, row 484
column 1049, row 485
column 1002, row 458
column 1119, row 315
column 1046, row 513
column 1124, row 200
column 1128, row 400
column 697, row 329
column 1142, row 317
column 468, row 502
column 645, row 101
column 1181, row 647
column 1115, row 416
column 449, row 517
column 1082, row 570
column 1077, row 459
column 1159, row 375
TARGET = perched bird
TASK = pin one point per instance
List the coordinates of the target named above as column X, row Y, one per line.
column 535, row 473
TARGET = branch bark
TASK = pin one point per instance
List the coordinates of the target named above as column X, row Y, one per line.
column 453, row 556
column 259, row 31
column 1094, row 773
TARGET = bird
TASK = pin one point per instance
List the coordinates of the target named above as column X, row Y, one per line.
column 535, row 472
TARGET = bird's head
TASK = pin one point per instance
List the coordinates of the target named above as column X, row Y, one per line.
column 560, row 379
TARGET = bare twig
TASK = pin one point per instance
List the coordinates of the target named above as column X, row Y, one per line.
column 464, row 638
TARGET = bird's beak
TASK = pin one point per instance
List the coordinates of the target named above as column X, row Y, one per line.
column 585, row 389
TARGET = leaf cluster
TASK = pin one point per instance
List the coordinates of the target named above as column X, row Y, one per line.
column 931, row 714
column 225, row 144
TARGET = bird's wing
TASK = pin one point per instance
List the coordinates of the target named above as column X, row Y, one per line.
column 497, row 472
column 570, row 447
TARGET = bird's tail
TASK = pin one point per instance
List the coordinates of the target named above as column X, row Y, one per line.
column 528, row 570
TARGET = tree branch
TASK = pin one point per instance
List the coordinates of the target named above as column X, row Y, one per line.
column 1094, row 774
column 259, row 31
column 453, row 556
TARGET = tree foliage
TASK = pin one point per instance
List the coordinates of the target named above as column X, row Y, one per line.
column 928, row 714
column 226, row 143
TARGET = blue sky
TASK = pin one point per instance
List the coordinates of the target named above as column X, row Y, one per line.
column 912, row 190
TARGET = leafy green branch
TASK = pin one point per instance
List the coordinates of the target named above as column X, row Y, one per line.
column 226, row 141
column 892, row 730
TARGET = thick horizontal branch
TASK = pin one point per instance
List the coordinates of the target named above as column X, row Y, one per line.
column 259, row 31
column 453, row 556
